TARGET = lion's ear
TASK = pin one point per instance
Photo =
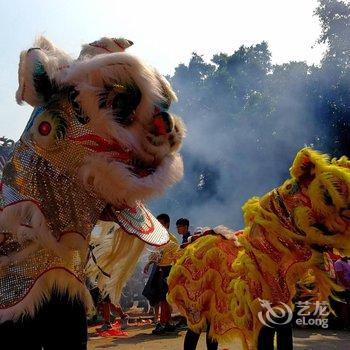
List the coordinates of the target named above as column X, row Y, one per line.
column 38, row 72
column 35, row 85
column 167, row 91
column 306, row 164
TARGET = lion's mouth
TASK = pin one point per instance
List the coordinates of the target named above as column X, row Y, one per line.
column 113, row 150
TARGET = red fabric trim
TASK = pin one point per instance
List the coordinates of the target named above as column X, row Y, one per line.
column 117, row 151
column 100, row 47
column 102, row 145
column 147, row 231
column 116, row 42
column 25, row 200
column 140, row 237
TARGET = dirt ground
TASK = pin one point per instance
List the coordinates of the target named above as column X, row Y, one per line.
column 142, row 339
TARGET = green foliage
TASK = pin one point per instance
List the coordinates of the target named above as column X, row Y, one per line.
column 244, row 113
column 334, row 16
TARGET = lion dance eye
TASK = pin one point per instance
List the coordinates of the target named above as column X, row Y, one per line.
column 47, row 128
column 50, row 125
column 44, row 128
column 122, row 100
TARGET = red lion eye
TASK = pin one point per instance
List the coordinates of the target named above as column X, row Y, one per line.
column 44, row 128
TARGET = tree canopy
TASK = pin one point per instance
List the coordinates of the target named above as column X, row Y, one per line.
column 247, row 118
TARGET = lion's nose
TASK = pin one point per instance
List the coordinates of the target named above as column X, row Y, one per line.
column 163, row 123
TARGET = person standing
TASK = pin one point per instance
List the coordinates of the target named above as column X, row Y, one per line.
column 182, row 226
column 156, row 288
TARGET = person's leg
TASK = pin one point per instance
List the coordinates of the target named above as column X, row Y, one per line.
column 106, row 312
column 156, row 313
column 211, row 343
column 23, row 334
column 95, row 294
column 165, row 317
column 191, row 340
column 182, row 323
column 165, row 312
column 64, row 324
column 165, row 308
column 159, row 327
column 161, row 286
column 346, row 312
column 285, row 337
column 157, row 297
column 265, row 339
column 118, row 310
column 342, row 315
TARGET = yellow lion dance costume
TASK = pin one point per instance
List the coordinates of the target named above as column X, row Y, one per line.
column 219, row 281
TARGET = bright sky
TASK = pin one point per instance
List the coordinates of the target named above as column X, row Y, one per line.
column 165, row 33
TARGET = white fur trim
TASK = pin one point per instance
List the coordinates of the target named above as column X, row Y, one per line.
column 226, row 232
column 120, row 67
column 56, row 279
column 114, row 182
column 54, row 62
column 91, row 76
column 168, row 90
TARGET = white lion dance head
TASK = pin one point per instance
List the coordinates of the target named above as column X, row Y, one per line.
column 99, row 142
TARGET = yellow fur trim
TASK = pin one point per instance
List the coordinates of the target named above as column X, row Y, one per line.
column 220, row 282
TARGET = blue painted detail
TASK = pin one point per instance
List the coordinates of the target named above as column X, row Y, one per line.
column 37, row 111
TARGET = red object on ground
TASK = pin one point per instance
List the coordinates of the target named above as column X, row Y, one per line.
column 115, row 331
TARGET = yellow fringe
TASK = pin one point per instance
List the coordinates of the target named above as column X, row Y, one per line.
column 214, row 280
